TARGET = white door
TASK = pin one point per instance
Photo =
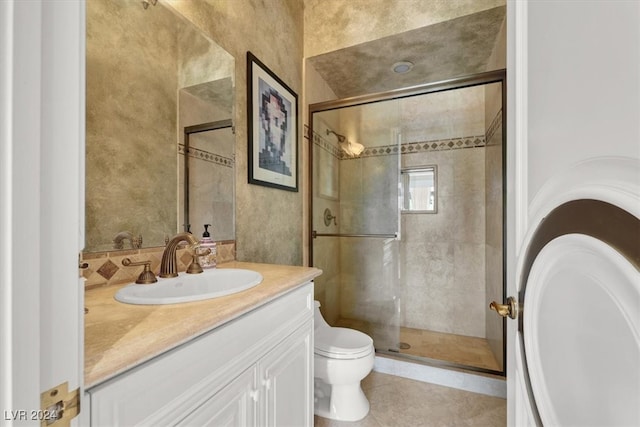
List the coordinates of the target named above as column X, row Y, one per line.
column 573, row 212
column 42, row 131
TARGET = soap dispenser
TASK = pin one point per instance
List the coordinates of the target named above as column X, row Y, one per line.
column 208, row 260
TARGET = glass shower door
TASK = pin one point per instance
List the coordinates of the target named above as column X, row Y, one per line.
column 355, row 219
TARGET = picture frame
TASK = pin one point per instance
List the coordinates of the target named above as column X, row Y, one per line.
column 272, row 119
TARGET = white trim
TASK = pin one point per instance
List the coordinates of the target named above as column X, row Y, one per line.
column 520, row 122
column 21, row 206
column 61, row 145
column 610, row 179
column 42, row 116
column 6, row 152
column 518, row 405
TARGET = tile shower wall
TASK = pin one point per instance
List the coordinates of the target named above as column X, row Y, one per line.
column 443, row 254
column 368, row 205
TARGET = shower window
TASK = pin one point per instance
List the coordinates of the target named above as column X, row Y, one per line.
column 419, row 189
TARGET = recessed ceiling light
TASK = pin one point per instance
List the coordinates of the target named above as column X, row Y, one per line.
column 402, row 67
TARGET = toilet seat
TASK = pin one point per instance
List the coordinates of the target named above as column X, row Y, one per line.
column 342, row 343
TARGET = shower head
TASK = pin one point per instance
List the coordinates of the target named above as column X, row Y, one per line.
column 145, row 3
column 352, row 149
column 341, row 138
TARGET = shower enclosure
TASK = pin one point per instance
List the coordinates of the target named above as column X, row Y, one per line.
column 407, row 215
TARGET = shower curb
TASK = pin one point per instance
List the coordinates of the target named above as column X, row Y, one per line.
column 490, row 386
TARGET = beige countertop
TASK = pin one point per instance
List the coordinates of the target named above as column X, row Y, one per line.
column 120, row 336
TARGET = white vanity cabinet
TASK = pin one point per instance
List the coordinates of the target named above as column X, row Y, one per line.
column 256, row 370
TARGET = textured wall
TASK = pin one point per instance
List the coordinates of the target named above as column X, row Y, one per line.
column 128, row 141
column 268, row 221
column 136, row 61
column 336, row 24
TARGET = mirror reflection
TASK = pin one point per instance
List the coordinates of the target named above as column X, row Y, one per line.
column 207, row 173
column 150, row 73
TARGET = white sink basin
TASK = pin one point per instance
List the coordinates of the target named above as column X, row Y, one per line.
column 211, row 283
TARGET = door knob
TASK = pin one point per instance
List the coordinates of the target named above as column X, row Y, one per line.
column 510, row 309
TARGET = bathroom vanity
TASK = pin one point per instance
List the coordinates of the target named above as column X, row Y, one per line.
column 244, row 359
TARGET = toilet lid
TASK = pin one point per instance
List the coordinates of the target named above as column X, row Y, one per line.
column 342, row 343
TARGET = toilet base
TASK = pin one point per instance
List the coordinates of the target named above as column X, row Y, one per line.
column 343, row 402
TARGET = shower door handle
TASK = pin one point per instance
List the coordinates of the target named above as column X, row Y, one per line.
column 510, row 309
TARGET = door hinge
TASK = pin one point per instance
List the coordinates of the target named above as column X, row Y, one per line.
column 59, row 406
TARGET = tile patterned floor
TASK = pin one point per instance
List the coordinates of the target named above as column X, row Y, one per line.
column 463, row 350
column 401, row 402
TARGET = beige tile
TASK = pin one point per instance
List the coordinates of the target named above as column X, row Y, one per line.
column 459, row 349
column 399, row 402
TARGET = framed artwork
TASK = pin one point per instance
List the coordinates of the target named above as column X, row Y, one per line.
column 272, row 128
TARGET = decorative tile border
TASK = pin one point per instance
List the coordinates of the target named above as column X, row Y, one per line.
column 105, row 268
column 199, row 154
column 477, row 141
column 327, row 146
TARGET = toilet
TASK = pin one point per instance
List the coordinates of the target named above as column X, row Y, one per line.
column 342, row 358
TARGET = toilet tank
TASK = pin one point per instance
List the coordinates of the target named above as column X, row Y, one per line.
column 318, row 320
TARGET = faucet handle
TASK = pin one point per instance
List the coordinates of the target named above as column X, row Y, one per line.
column 147, row 276
column 196, row 253
column 137, row 242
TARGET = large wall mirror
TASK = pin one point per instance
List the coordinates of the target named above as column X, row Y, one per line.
column 150, row 74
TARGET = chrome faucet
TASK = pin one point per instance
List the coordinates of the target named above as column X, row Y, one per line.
column 169, row 264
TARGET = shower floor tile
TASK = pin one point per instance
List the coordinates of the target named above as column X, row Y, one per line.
column 400, row 402
column 470, row 351
column 459, row 349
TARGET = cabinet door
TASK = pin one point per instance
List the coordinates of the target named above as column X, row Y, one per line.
column 286, row 376
column 233, row 406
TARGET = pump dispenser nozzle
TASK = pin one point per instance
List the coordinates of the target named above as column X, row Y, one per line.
column 208, row 260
